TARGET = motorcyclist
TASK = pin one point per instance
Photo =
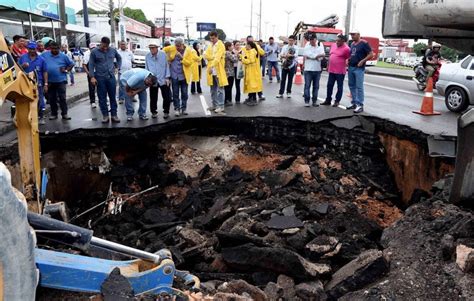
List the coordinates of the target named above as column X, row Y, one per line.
column 431, row 59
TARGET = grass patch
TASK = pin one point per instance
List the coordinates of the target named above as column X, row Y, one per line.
column 391, row 66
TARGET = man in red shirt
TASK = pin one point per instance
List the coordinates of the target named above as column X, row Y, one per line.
column 19, row 46
column 339, row 55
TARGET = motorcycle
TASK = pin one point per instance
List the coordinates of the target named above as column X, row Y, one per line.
column 421, row 75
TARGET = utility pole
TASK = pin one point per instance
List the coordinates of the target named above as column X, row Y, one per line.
column 260, row 22
column 288, row 12
column 86, row 21
column 251, row 17
column 348, row 17
column 266, row 30
column 63, row 17
column 164, row 20
column 112, row 22
column 187, row 27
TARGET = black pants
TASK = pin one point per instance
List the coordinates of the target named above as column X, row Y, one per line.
column 287, row 74
column 197, row 84
column 237, row 86
column 228, row 90
column 92, row 89
column 252, row 96
column 165, row 94
column 333, row 78
column 57, row 95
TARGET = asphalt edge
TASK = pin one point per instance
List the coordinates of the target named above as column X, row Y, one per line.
column 401, row 76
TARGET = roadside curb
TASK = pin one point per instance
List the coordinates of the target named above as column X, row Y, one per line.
column 402, row 76
column 71, row 100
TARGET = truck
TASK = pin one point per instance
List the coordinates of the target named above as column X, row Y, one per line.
column 374, row 43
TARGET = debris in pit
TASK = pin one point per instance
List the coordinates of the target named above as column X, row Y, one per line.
column 465, row 258
column 284, row 222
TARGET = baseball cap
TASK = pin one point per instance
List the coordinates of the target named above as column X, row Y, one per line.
column 31, row 45
column 92, row 45
column 152, row 45
column 354, row 31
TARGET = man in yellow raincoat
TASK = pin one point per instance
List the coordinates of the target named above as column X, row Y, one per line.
column 216, row 76
column 182, row 60
column 260, row 53
column 252, row 74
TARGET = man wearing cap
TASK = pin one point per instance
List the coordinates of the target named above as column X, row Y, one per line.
column 136, row 81
column 30, row 62
column 85, row 65
column 313, row 54
column 127, row 58
column 339, row 54
column 157, row 63
column 361, row 52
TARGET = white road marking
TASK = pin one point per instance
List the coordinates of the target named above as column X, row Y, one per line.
column 204, row 106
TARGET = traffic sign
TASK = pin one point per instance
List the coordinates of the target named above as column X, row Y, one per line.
column 206, row 26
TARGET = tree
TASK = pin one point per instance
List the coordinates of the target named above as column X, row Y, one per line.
column 449, row 53
column 220, row 34
column 419, row 48
column 92, row 11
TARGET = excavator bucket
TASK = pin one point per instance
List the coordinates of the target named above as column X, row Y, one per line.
column 20, row 88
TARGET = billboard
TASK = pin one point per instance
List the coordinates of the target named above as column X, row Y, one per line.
column 159, row 22
column 137, row 27
column 205, row 26
column 41, row 7
column 159, row 32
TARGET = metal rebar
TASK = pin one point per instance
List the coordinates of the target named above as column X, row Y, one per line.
column 102, row 243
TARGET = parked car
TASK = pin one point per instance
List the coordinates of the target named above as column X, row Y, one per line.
column 456, row 84
column 139, row 58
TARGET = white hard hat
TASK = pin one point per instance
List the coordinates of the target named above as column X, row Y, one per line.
column 436, row 45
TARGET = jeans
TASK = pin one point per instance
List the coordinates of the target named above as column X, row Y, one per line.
column 272, row 65
column 141, row 107
column 107, row 86
column 41, row 104
column 287, row 74
column 356, row 85
column 217, row 93
column 122, row 95
column 197, row 84
column 311, row 77
column 228, row 89
column 165, row 94
column 92, row 89
column 333, row 78
column 71, row 77
column 237, row 86
column 57, row 95
column 179, row 86
column 263, row 65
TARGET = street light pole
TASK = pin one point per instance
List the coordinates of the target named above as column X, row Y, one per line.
column 251, row 16
column 260, row 22
column 348, row 17
column 112, row 22
column 288, row 12
column 164, row 21
column 187, row 26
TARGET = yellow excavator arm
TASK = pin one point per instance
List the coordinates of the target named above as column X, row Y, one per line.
column 21, row 88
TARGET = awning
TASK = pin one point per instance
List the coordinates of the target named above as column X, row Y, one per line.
column 11, row 13
column 81, row 29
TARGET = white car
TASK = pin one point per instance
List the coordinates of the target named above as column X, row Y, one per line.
column 139, row 58
column 456, row 84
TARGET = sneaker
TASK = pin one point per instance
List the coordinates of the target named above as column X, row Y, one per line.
column 359, row 109
column 288, row 95
column 270, row 81
column 41, row 121
column 315, row 104
column 129, row 118
column 154, row 115
column 66, row 117
column 176, row 113
column 219, row 111
column 351, row 107
column 53, row 117
column 261, row 98
column 211, row 108
column 336, row 104
column 251, row 103
column 306, row 104
column 165, row 115
column 228, row 104
column 115, row 119
column 183, row 112
column 237, row 102
column 327, row 102
column 105, row 119
column 144, row 117
column 121, row 101
column 279, row 96
column 93, row 105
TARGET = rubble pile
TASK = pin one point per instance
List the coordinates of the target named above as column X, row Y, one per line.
column 254, row 220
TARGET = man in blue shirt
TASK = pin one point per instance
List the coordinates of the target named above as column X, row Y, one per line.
column 103, row 63
column 272, row 50
column 157, row 63
column 30, row 62
column 360, row 53
column 136, row 81
column 58, row 66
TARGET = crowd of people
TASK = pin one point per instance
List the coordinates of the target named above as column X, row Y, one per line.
column 172, row 69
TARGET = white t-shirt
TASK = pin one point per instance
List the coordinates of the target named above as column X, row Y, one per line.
column 127, row 58
column 310, row 53
column 86, row 57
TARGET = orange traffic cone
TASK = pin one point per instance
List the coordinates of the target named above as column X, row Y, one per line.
column 298, row 77
column 273, row 72
column 427, row 104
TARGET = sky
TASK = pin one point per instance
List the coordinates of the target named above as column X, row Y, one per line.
column 234, row 16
